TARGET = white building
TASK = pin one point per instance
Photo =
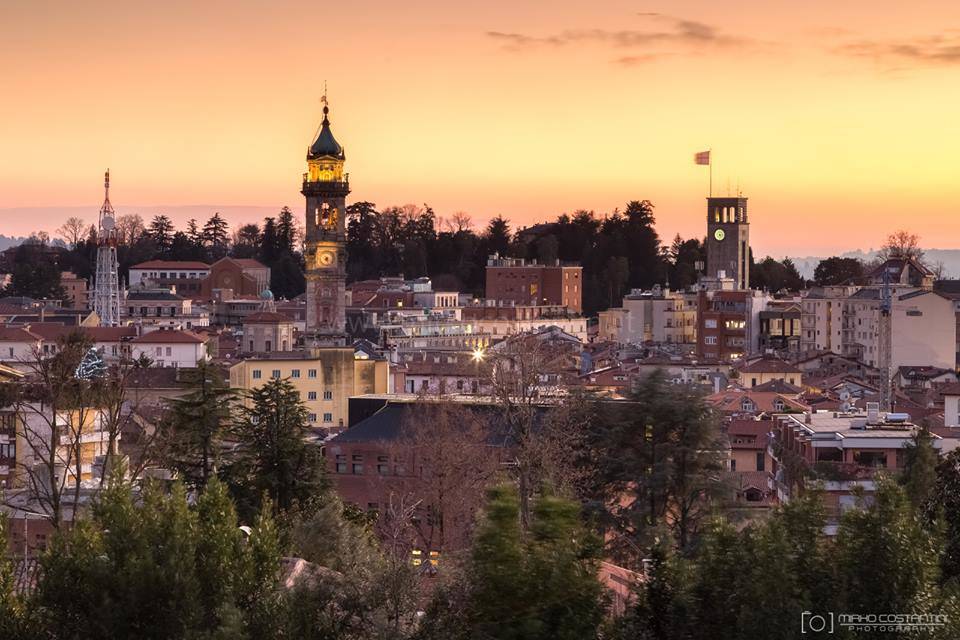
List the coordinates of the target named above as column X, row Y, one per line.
column 162, row 271
column 846, row 321
column 170, row 348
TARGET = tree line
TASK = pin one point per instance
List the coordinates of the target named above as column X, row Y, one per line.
column 619, row 251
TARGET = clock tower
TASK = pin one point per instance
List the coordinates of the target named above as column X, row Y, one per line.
column 325, row 187
column 728, row 240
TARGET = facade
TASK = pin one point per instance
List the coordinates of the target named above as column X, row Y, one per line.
column 532, row 284
column 186, row 275
column 170, row 348
column 242, row 276
column 728, row 240
column 164, row 307
column 728, row 322
column 658, row 316
column 325, row 187
column 844, row 452
column 76, row 288
column 325, row 377
column 767, row 369
column 780, row 327
column 504, row 320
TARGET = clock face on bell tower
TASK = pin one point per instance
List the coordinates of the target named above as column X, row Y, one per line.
column 325, row 187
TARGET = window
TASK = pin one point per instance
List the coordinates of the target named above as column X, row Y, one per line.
column 710, row 323
column 357, row 465
column 382, row 467
column 256, row 374
column 709, row 339
column 312, row 417
column 311, row 395
column 8, row 450
column 760, row 460
column 275, row 374
column 311, row 373
column 753, row 495
column 733, row 464
column 295, row 373
column 341, row 464
column 328, row 417
column 169, row 351
column 328, row 395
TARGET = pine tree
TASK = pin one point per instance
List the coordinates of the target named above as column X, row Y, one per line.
column 11, row 606
column 216, row 237
column 919, row 476
column 161, row 232
column 536, row 587
column 273, row 455
column 194, row 431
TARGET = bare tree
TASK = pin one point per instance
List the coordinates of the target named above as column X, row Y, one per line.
column 462, row 221
column 129, row 228
column 902, row 244
column 526, row 375
column 57, row 416
column 72, row 231
column 450, row 452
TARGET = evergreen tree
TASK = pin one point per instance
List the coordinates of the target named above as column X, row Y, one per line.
column 161, row 232
column 286, row 232
column 919, row 477
column 885, row 560
column 215, row 236
column 663, row 450
column 34, row 274
column 246, row 241
column 197, row 422
column 11, row 606
column 536, row 587
column 269, row 248
column 498, row 236
column 273, row 455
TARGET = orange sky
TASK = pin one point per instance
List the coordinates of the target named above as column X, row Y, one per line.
column 838, row 120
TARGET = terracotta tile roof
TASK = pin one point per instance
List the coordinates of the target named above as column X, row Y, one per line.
column 245, row 263
column 732, row 401
column 164, row 336
column 778, row 386
column 52, row 331
column 17, row 334
column 172, row 264
column 769, row 365
column 266, row 317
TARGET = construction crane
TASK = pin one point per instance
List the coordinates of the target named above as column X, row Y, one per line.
column 886, row 344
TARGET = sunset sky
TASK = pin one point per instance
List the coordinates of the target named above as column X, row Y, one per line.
column 840, row 120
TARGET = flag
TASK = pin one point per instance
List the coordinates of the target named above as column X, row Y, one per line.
column 702, row 158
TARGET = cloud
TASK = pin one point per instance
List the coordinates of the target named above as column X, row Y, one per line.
column 677, row 32
column 632, row 61
column 937, row 50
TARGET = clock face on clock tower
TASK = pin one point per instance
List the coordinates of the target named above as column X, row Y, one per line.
column 719, row 234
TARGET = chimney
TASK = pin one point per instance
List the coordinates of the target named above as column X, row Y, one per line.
column 873, row 412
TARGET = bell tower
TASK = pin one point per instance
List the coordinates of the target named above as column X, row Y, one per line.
column 325, row 187
column 728, row 240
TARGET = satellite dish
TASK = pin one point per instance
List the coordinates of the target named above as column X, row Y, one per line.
column 107, row 223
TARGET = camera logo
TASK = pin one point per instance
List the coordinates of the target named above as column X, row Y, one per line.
column 816, row 622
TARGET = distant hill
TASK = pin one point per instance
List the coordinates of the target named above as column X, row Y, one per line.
column 9, row 241
column 950, row 258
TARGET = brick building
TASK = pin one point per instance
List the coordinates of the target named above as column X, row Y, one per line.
column 529, row 283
